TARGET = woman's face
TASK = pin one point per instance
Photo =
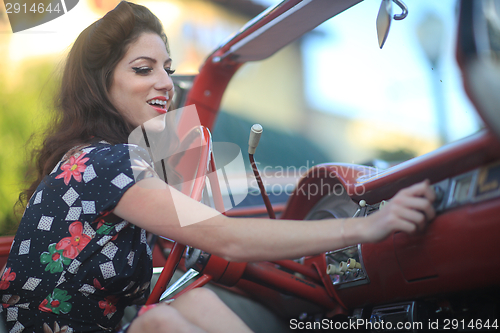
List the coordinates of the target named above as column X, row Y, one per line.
column 142, row 87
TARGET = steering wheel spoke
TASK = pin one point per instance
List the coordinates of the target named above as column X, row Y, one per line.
column 205, row 164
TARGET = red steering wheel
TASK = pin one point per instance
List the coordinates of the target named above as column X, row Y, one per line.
column 205, row 167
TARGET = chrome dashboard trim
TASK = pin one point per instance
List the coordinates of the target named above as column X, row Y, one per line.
column 484, row 171
column 452, row 200
column 479, row 179
column 362, row 277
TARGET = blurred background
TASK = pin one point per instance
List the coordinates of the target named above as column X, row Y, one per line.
column 331, row 96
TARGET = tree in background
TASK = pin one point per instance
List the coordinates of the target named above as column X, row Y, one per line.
column 24, row 105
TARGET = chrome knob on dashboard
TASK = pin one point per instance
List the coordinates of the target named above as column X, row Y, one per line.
column 439, row 193
column 439, row 196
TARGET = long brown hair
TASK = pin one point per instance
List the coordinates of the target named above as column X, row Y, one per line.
column 83, row 109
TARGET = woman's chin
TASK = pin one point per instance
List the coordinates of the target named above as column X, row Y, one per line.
column 156, row 124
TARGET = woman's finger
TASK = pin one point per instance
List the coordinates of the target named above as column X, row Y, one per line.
column 422, row 189
column 414, row 217
column 420, row 204
column 403, row 225
column 419, row 197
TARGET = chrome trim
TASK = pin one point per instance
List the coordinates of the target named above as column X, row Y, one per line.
column 265, row 27
column 394, row 313
column 443, row 186
column 489, row 195
column 362, row 262
column 249, row 24
column 449, row 186
column 362, row 276
column 157, row 270
column 403, row 7
column 191, row 273
column 451, row 202
column 196, row 259
column 302, row 16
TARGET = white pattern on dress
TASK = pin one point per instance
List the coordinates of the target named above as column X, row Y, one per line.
column 107, row 270
column 24, row 247
column 109, row 250
column 12, row 313
column 104, row 240
column 31, row 283
column 89, row 173
column 87, row 289
column 121, row 180
column 130, row 258
column 45, row 223
column 88, row 207
column 70, row 196
column 74, row 214
column 88, row 230
column 18, row 328
column 38, row 198
column 74, row 266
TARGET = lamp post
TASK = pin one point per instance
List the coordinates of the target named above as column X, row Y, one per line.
column 430, row 35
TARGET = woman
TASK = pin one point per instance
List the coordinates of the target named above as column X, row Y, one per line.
column 80, row 255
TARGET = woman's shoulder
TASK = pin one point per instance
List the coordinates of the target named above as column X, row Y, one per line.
column 99, row 157
column 104, row 146
column 106, row 151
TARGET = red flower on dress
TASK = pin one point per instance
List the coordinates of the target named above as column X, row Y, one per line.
column 74, row 167
column 98, row 285
column 43, row 306
column 73, row 245
column 108, row 304
column 108, row 226
column 6, row 278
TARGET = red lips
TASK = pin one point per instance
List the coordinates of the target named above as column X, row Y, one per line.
column 158, row 109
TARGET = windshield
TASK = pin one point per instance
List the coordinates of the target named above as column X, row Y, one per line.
column 334, row 96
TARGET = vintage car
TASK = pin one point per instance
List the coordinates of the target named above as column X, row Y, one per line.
column 447, row 277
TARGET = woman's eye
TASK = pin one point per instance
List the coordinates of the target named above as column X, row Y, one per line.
column 142, row 70
column 169, row 71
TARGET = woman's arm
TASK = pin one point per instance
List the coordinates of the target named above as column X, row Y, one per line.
column 157, row 207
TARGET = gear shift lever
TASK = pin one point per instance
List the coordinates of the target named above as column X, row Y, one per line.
column 253, row 142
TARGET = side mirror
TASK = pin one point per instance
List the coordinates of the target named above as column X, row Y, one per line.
column 385, row 17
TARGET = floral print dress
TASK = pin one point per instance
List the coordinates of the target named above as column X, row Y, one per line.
column 74, row 266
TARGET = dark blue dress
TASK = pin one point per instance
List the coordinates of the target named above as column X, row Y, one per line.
column 75, row 266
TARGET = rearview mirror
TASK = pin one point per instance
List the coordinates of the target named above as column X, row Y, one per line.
column 385, row 17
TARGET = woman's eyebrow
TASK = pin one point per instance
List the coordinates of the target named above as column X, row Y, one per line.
column 169, row 60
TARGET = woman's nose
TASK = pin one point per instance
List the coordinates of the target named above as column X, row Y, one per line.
column 164, row 82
